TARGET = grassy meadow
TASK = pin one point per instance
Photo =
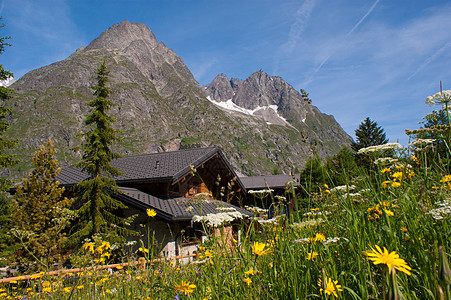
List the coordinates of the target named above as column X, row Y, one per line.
column 385, row 234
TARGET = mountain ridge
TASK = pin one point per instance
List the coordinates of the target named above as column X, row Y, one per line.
column 160, row 106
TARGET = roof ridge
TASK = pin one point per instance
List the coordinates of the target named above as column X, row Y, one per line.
column 166, row 152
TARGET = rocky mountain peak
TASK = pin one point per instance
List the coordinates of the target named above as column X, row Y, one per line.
column 220, row 89
column 160, row 106
column 121, row 35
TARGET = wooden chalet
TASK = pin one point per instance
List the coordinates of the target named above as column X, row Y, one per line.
column 166, row 183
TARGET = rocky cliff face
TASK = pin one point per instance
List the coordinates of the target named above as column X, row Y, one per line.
column 160, row 107
column 277, row 102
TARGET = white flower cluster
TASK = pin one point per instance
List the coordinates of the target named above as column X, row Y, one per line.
column 342, row 188
column 300, row 225
column 352, row 195
column 269, row 221
column 385, row 161
column 280, row 198
column 218, row 219
column 388, row 146
column 443, row 209
column 439, row 98
column 422, row 142
column 225, row 209
column 265, row 191
column 256, row 209
column 327, row 241
column 316, row 213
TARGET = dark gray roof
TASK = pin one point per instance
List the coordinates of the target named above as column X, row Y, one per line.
column 147, row 167
column 271, row 181
column 177, row 209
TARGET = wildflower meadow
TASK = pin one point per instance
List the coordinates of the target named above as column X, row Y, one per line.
column 385, row 234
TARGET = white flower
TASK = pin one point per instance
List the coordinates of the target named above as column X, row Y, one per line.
column 351, row 195
column 256, row 210
column 269, row 221
column 265, row 191
column 342, row 188
column 280, row 198
column 422, row 142
column 443, row 209
column 385, row 160
column 439, row 98
column 370, row 149
column 316, row 213
column 218, row 219
column 300, row 225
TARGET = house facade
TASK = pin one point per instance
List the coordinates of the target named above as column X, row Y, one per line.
column 177, row 185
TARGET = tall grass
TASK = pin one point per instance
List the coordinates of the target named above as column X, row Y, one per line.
column 317, row 252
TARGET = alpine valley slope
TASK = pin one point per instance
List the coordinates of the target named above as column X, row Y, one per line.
column 161, row 107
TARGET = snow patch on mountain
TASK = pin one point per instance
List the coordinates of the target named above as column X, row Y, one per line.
column 7, row 82
column 269, row 113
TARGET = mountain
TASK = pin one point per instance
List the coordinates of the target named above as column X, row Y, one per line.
column 277, row 102
column 160, row 107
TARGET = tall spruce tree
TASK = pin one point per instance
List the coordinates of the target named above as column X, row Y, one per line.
column 99, row 212
column 6, row 159
column 368, row 134
column 41, row 213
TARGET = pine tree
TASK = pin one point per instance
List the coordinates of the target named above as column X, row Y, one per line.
column 99, row 211
column 6, row 159
column 368, row 134
column 41, row 213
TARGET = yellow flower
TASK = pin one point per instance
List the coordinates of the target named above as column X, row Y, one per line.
column 247, row 280
column 151, row 212
column 104, row 246
column 389, row 213
column 47, row 290
column 67, row 289
column 312, row 255
column 119, row 267
column 89, row 246
column 319, row 237
column 45, row 284
column 143, row 249
column 206, row 254
column 250, row 272
column 79, row 287
column 13, row 281
column 446, row 178
column 404, row 229
column 396, row 184
column 185, row 287
column 331, row 286
column 397, row 175
column 385, row 183
column 390, row 259
column 326, row 186
column 36, row 276
column 415, row 159
column 259, row 249
column 385, row 170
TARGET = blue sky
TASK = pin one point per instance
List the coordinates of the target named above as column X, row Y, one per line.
column 357, row 59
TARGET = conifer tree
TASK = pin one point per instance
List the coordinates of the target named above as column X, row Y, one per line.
column 99, row 211
column 6, row 159
column 368, row 134
column 41, row 213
